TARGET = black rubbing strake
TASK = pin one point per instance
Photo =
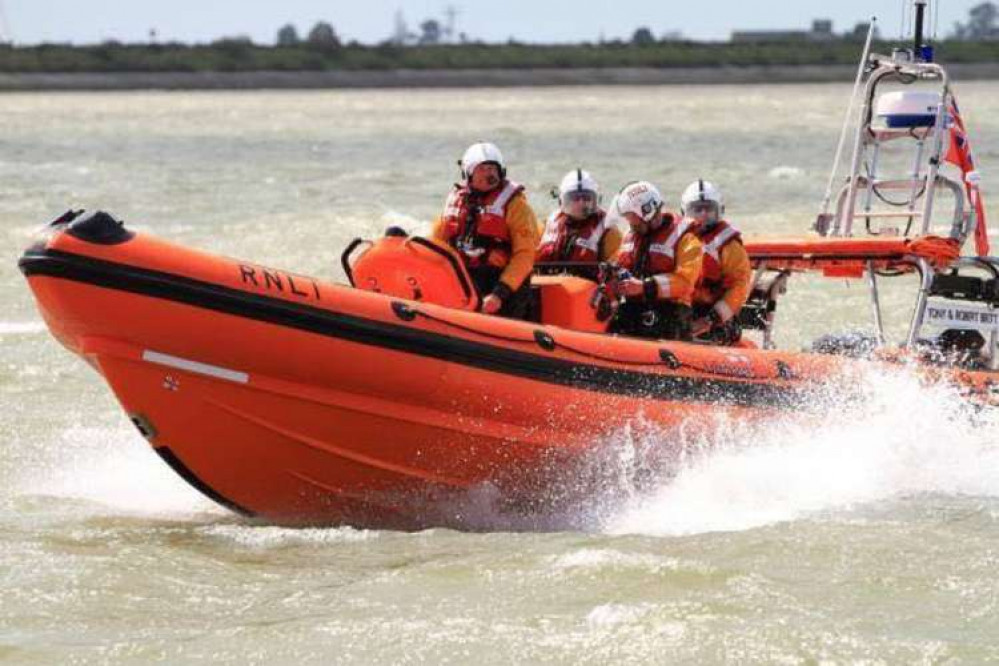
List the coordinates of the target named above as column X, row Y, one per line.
column 342, row 326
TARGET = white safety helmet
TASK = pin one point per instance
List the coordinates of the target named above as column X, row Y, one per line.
column 641, row 198
column 481, row 153
column 578, row 194
column 702, row 191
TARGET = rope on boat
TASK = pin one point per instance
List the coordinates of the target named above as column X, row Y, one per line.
column 546, row 341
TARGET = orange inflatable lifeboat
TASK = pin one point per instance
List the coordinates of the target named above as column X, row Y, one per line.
column 389, row 402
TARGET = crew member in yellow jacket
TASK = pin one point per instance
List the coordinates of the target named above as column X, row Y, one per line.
column 488, row 220
column 663, row 256
column 726, row 274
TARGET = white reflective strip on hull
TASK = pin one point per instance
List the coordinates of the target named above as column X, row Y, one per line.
column 195, row 366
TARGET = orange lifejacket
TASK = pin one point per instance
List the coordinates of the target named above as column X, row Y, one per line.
column 714, row 240
column 475, row 224
column 654, row 253
column 567, row 240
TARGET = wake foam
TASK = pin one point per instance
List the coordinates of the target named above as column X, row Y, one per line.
column 112, row 471
column 267, row 537
column 894, row 439
column 21, row 327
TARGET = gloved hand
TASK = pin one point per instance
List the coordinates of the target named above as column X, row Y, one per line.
column 631, row 287
column 705, row 324
column 701, row 326
column 491, row 304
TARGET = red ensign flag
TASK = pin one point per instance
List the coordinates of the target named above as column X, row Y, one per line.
column 959, row 154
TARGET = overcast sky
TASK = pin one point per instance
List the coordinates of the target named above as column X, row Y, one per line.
column 89, row 21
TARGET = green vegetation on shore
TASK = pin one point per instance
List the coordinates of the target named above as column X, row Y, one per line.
column 236, row 55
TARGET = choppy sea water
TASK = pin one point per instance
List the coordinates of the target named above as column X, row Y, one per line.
column 872, row 535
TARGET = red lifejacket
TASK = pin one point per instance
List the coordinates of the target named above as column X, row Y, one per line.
column 654, row 253
column 567, row 240
column 714, row 240
column 475, row 224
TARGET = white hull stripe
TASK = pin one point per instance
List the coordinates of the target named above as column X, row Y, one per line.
column 195, row 366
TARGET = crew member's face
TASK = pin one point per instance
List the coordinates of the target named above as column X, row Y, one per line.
column 485, row 177
column 579, row 205
column 703, row 211
column 638, row 226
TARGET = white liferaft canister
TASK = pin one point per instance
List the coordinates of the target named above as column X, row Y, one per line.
column 904, row 108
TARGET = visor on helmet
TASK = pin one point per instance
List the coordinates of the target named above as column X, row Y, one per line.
column 701, row 207
column 580, row 195
column 579, row 204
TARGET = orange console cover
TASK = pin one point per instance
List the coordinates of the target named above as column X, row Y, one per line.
column 566, row 302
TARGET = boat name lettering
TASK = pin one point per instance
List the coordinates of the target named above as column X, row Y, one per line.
column 271, row 279
column 957, row 316
column 729, row 370
column 734, row 365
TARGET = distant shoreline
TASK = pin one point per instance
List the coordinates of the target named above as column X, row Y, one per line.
column 451, row 78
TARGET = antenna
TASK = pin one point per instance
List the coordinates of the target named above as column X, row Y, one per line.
column 452, row 16
column 6, row 36
column 917, row 46
column 922, row 51
column 400, row 34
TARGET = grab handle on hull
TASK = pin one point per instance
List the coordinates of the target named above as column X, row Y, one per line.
column 346, row 255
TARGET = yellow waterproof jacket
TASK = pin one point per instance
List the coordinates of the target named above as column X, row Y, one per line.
column 675, row 256
column 681, row 282
column 728, row 291
column 523, row 226
column 610, row 244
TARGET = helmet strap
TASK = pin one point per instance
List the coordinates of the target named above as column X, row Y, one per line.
column 653, row 224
